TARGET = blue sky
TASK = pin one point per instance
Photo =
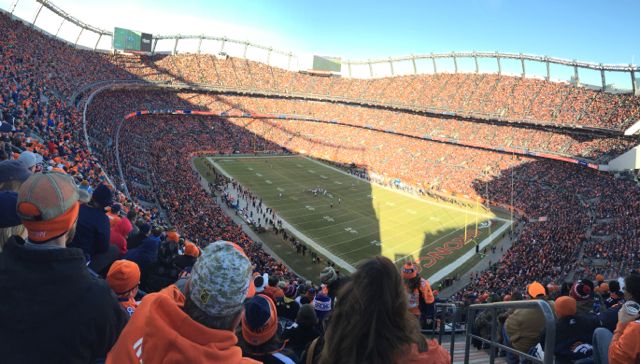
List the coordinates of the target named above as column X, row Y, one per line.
column 588, row 30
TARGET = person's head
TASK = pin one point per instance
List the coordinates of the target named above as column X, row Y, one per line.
column 581, row 291
column 261, row 282
column 536, row 290
column 12, row 174
column 31, row 160
column 131, row 215
column 218, row 286
column 363, row 312
column 328, row 275
column 259, row 324
column 145, row 229
column 632, row 287
column 191, row 249
column 124, row 278
column 565, row 306
column 307, row 316
column 48, row 207
column 273, row 281
column 102, row 196
column 599, row 278
column 614, row 286
column 322, row 305
column 516, row 296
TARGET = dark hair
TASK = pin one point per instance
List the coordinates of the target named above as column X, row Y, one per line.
column 273, row 281
column 414, row 283
column 632, row 286
column 516, row 296
column 614, row 286
column 371, row 322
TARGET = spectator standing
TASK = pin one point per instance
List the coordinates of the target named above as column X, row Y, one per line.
column 53, row 309
column 623, row 346
column 524, row 325
column 147, row 252
column 259, row 337
column 369, row 327
column 197, row 326
column 124, row 279
column 303, row 331
column 333, row 281
column 93, row 232
column 574, row 332
column 143, row 232
column 420, row 296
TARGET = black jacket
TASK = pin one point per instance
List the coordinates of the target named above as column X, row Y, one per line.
column 92, row 231
column 299, row 337
column 574, row 337
column 52, row 310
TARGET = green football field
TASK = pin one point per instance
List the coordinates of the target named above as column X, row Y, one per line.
column 355, row 219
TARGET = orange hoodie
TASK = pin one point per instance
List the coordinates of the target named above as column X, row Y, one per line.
column 160, row 332
column 435, row 355
column 625, row 344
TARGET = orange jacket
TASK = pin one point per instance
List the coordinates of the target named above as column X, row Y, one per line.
column 625, row 344
column 435, row 355
column 424, row 292
column 160, row 332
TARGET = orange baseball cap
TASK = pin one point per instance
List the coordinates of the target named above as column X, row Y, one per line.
column 536, row 289
column 48, row 205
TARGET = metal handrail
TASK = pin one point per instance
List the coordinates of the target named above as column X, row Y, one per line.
column 550, row 329
column 447, row 309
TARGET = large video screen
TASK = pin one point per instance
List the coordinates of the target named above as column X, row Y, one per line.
column 328, row 64
column 129, row 40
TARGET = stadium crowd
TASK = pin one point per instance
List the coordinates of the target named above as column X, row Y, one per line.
column 77, row 254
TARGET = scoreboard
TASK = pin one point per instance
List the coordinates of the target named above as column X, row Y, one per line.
column 327, row 64
column 129, row 40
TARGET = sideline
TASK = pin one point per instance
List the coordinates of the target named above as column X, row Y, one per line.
column 204, row 182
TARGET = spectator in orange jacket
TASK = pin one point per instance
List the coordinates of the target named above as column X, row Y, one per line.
column 623, row 346
column 197, row 327
column 420, row 297
column 369, row 327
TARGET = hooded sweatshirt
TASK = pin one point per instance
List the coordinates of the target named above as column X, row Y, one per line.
column 625, row 344
column 119, row 235
column 160, row 331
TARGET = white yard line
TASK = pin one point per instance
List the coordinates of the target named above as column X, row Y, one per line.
column 301, row 236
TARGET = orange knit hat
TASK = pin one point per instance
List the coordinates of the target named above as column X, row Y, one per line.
column 173, row 236
column 191, row 249
column 123, row 276
column 259, row 320
column 599, row 277
column 48, row 205
column 565, row 306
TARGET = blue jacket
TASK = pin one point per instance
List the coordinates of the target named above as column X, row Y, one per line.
column 92, row 231
column 146, row 253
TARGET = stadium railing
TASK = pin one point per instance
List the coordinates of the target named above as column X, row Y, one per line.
column 447, row 315
column 550, row 329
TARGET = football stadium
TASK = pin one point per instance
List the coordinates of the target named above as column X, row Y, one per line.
column 174, row 193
